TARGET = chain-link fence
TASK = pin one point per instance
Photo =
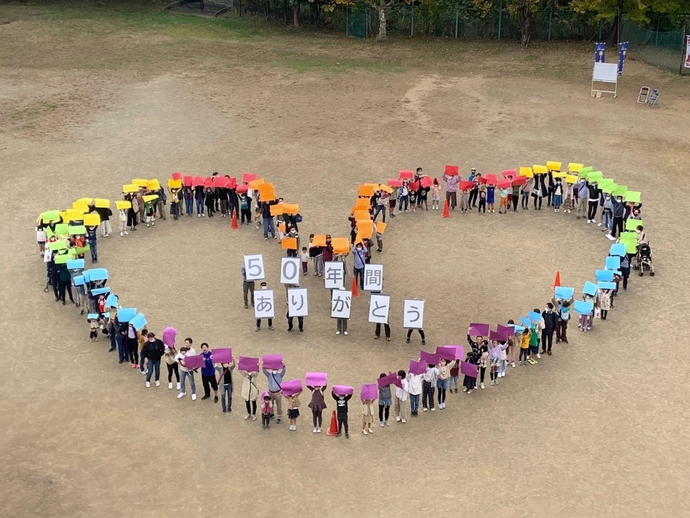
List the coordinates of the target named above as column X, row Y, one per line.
column 663, row 49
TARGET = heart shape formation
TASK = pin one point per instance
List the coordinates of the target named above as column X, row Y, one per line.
column 66, row 236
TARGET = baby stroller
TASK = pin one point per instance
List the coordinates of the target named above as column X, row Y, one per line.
column 644, row 259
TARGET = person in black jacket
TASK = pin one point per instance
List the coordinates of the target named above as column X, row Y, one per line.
column 550, row 322
column 151, row 353
column 341, row 407
column 592, row 202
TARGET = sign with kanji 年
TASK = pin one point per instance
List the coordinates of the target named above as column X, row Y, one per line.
column 334, row 275
column 413, row 318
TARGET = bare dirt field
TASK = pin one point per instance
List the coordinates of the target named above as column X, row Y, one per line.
column 90, row 99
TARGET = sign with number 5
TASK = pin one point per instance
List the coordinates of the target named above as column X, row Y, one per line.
column 254, row 267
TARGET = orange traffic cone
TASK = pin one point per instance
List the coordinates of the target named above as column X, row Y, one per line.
column 233, row 222
column 446, row 212
column 333, row 429
column 355, row 288
column 556, row 281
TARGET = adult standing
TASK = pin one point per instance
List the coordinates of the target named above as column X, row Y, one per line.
column 199, row 196
column 359, row 255
column 625, row 270
column 592, row 202
column 133, row 346
column 170, row 356
column 185, row 372
column 225, row 381
column 208, row 374
column 618, row 210
column 452, row 183
column 160, row 203
column 550, row 323
column 104, row 213
column 258, row 320
column 474, row 191
column 247, row 289
column 275, row 379
column 562, row 308
column 267, row 218
column 122, row 328
column 582, row 195
column 151, row 354
column 379, row 203
column 250, row 393
column 316, row 254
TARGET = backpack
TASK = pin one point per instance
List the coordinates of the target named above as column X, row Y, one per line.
column 564, row 314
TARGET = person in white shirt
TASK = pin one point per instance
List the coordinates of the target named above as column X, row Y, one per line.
column 400, row 402
column 428, row 387
column 415, row 388
column 185, row 373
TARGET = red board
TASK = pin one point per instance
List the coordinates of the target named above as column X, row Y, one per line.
column 413, row 186
column 177, row 176
column 187, row 181
column 395, row 182
column 452, row 170
column 426, row 181
column 520, row 180
column 491, row 179
column 208, row 182
column 465, row 185
column 242, row 189
column 249, row 177
column 231, row 183
column 406, row 175
column 503, row 184
column 198, row 181
column 219, row 181
column 509, row 173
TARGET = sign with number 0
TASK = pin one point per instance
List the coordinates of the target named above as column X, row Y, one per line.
column 289, row 270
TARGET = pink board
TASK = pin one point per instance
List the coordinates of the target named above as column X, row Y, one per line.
column 417, row 367
column 208, row 182
column 187, row 181
column 451, row 170
column 491, row 179
column 509, row 173
column 316, row 379
column 447, row 353
column 465, row 185
column 177, row 176
column 249, row 177
column 221, row 355
column 520, row 180
column 194, row 362
column 343, row 390
column 242, row 189
column 231, row 183
column 429, row 358
column 426, row 181
column 169, row 334
column 198, row 181
column 291, row 387
column 504, row 184
column 368, row 391
column 469, row 369
column 479, row 329
column 248, row 364
column 272, row 361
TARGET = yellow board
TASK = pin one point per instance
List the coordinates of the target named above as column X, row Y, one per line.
column 290, row 208
column 341, row 245
column 560, row 174
column 386, row 188
column 72, row 215
column 553, row 166
column 574, row 168
column 130, row 188
column 365, row 190
column 526, row 171
column 365, row 229
column 288, row 243
column 101, row 203
column 153, row 185
column 254, row 184
column 123, row 204
column 87, row 201
column 140, row 182
column 381, row 227
column 80, row 206
column 362, row 215
column 277, row 209
column 319, row 240
column 539, row 169
column 150, row 197
column 174, row 184
column 92, row 219
column 571, row 178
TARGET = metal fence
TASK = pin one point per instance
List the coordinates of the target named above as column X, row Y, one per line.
column 663, row 49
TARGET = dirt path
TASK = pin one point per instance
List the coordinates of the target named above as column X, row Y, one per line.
column 596, row 430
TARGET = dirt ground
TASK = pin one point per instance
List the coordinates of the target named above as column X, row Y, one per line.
column 598, row 429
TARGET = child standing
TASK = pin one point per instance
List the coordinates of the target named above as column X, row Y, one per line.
column 482, row 202
column 442, row 382
column 435, row 194
column 293, row 404
column 122, row 222
column 304, row 259
column 524, row 347
column 171, row 363
column 533, row 345
column 341, row 406
column 605, row 302
column 464, row 201
column 93, row 327
column 414, row 385
column 454, row 374
column 317, row 405
column 150, row 212
column 496, row 352
column 367, row 416
column 490, row 195
column 525, row 194
column 385, row 402
column 41, row 239
column 503, row 202
column 557, row 195
column 470, row 382
column 429, row 386
column 401, row 394
column 266, row 411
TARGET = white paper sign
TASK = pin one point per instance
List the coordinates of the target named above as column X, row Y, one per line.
column 379, row 306
column 373, row 277
column 341, row 303
column 254, row 267
column 289, row 270
column 263, row 304
column 297, row 302
column 334, row 275
column 413, row 317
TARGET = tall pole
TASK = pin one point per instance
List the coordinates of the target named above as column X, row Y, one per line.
column 457, row 16
column 500, row 17
column 550, row 18
column 683, row 43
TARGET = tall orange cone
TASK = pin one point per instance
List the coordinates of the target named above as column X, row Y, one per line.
column 446, row 212
column 233, row 222
column 556, row 281
column 355, row 288
column 333, row 429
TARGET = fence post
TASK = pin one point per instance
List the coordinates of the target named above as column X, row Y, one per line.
column 457, row 18
column 601, row 23
column 412, row 24
column 347, row 21
column 500, row 18
column 550, row 19
column 683, row 43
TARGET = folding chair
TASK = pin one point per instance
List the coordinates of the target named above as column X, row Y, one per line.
column 643, row 95
column 653, row 98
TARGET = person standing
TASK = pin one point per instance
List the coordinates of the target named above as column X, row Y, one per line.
column 225, row 381
column 151, row 353
column 452, row 183
column 275, row 379
column 341, row 405
column 429, row 387
column 247, row 289
column 582, row 195
column 185, row 372
column 208, row 374
column 474, row 192
column 172, row 365
column 258, row 320
column 250, row 393
column 104, row 213
column 618, row 210
column 550, row 318
column 359, row 256
column 414, row 384
column 316, row 254
column 400, row 401
column 269, row 227
column 592, row 202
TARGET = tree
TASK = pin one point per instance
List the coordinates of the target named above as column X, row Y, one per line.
column 523, row 10
column 380, row 5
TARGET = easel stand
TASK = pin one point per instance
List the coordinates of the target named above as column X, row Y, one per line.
column 603, row 76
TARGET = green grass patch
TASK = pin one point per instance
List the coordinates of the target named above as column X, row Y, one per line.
column 301, row 63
